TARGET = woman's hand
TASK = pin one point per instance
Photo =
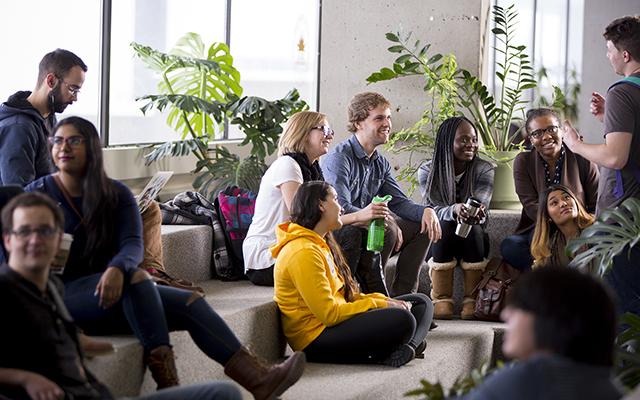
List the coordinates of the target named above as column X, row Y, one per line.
column 40, row 388
column 393, row 303
column 462, row 213
column 109, row 288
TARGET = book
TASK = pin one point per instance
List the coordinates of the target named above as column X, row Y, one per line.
column 154, row 186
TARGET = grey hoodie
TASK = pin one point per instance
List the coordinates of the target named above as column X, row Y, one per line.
column 24, row 151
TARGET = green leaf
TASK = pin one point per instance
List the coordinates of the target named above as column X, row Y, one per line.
column 392, row 37
column 396, row 49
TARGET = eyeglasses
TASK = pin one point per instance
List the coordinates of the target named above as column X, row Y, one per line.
column 538, row 133
column 44, row 232
column 71, row 141
column 326, row 130
column 73, row 89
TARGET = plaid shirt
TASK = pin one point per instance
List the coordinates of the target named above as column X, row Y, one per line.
column 191, row 208
column 482, row 188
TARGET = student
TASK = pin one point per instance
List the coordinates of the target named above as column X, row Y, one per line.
column 322, row 310
column 560, row 326
column 306, row 137
column 619, row 155
column 453, row 175
column 26, row 118
column 358, row 172
column 38, row 341
column 561, row 217
column 550, row 162
column 107, row 293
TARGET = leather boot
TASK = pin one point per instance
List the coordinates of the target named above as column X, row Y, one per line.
column 442, row 288
column 472, row 273
column 264, row 381
column 162, row 365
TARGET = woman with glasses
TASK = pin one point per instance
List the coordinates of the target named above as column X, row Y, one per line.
column 561, row 217
column 549, row 163
column 322, row 309
column 307, row 136
column 106, row 292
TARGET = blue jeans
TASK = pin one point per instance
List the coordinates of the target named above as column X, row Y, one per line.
column 203, row 391
column 516, row 250
column 150, row 312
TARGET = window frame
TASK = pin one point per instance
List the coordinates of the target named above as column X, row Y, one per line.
column 105, row 73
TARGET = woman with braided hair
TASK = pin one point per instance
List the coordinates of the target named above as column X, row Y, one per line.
column 453, row 175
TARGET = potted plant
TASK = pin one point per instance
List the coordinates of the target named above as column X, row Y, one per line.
column 610, row 245
column 200, row 89
column 498, row 118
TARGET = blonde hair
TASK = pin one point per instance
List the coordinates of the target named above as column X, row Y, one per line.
column 360, row 106
column 296, row 130
column 545, row 227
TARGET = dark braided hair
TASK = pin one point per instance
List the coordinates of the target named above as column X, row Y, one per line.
column 441, row 184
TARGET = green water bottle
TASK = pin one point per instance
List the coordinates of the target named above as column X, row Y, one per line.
column 375, row 239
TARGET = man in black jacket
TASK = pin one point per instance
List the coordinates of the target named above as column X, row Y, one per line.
column 40, row 355
column 26, row 118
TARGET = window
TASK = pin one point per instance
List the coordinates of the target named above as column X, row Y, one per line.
column 552, row 32
column 23, row 47
column 274, row 44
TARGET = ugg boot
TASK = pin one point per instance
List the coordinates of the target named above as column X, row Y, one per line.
column 162, row 365
column 442, row 288
column 472, row 273
column 264, row 381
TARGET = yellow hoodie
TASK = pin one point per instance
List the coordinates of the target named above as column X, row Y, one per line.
column 308, row 288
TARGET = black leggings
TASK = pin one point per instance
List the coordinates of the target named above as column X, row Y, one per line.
column 371, row 336
column 471, row 248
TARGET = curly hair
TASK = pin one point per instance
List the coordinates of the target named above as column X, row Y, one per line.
column 360, row 106
column 624, row 33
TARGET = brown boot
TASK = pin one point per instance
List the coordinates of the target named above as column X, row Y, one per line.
column 441, row 275
column 472, row 273
column 162, row 365
column 264, row 381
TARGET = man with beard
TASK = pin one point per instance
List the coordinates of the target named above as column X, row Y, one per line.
column 26, row 118
column 358, row 172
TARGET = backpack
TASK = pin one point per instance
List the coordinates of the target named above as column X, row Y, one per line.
column 235, row 207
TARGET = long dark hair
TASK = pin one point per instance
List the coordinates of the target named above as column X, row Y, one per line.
column 441, row 184
column 305, row 211
column 98, row 192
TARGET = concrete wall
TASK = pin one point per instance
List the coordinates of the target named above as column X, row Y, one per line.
column 597, row 73
column 353, row 45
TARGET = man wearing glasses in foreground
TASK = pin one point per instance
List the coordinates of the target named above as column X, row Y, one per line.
column 26, row 118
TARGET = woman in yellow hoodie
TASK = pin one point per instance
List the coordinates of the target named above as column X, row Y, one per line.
column 323, row 312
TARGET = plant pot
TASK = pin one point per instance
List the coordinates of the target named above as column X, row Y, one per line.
column 504, row 188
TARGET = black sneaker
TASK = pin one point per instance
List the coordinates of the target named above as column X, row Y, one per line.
column 400, row 356
column 420, row 349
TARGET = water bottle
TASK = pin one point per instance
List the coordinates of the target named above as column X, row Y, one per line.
column 375, row 239
column 473, row 208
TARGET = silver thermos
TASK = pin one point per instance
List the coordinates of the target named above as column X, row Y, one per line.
column 473, row 207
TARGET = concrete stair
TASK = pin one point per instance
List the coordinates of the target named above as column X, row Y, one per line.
column 454, row 348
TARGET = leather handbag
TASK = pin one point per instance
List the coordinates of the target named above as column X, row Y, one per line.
column 492, row 291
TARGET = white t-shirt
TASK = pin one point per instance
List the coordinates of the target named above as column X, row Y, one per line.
column 270, row 211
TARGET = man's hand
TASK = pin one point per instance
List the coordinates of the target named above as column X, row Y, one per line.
column 571, row 137
column 596, row 106
column 110, row 287
column 40, row 388
column 92, row 347
column 431, row 224
column 372, row 211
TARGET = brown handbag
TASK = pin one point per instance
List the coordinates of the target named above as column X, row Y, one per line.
column 493, row 288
